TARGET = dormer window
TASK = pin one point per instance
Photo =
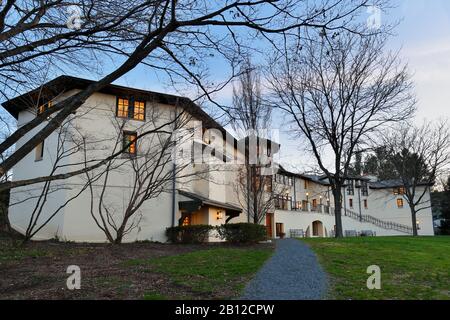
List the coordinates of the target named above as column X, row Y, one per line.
column 130, row 108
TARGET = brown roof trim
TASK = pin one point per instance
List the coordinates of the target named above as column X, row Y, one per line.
column 66, row 83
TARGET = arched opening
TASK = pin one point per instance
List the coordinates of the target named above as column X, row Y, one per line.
column 317, row 227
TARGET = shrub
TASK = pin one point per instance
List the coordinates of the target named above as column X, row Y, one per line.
column 189, row 234
column 242, row 232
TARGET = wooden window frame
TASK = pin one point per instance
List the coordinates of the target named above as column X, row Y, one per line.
column 131, row 108
column 129, row 133
column 399, row 191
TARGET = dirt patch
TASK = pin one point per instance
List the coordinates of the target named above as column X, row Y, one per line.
column 38, row 270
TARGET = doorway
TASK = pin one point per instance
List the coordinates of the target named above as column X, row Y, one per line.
column 317, row 229
column 269, row 224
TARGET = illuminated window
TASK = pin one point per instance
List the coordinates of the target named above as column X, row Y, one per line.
column 130, row 108
column 400, row 203
column 122, row 108
column 350, row 202
column 139, row 110
column 44, row 107
column 186, row 221
column 129, row 142
column 399, row 191
column 268, row 184
column 366, row 204
column 39, row 151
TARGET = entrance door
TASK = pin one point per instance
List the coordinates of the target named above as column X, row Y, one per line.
column 317, row 229
column 269, row 223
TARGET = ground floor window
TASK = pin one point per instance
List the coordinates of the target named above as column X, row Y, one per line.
column 186, row 220
column 279, row 229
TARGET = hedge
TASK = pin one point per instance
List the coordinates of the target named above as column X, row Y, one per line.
column 242, row 232
column 189, row 234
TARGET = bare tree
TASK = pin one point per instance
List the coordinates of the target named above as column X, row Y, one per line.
column 68, row 143
column 260, row 191
column 147, row 165
column 339, row 91
column 172, row 37
column 249, row 111
column 418, row 156
column 251, row 116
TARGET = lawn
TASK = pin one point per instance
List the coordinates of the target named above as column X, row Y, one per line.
column 129, row 271
column 411, row 268
column 219, row 273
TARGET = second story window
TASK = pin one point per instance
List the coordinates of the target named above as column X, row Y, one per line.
column 306, row 184
column 268, row 184
column 400, row 203
column 44, row 107
column 350, row 202
column 129, row 142
column 131, row 109
column 365, row 189
column 351, row 188
column 399, row 191
column 366, row 204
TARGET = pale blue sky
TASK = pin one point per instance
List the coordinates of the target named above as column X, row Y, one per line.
column 423, row 36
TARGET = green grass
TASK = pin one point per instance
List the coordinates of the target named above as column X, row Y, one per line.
column 154, row 296
column 15, row 251
column 411, row 268
column 221, row 272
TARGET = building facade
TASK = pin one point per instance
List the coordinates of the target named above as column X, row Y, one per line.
column 162, row 179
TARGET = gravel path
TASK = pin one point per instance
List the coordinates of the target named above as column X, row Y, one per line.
column 292, row 273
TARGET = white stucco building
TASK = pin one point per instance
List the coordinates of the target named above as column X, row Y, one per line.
column 201, row 193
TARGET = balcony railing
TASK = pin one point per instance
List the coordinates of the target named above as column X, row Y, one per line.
column 285, row 203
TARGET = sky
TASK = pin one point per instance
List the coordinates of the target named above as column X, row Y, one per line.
column 423, row 36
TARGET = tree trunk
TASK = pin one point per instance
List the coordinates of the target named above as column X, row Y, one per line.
column 338, row 211
column 254, row 195
column 414, row 221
